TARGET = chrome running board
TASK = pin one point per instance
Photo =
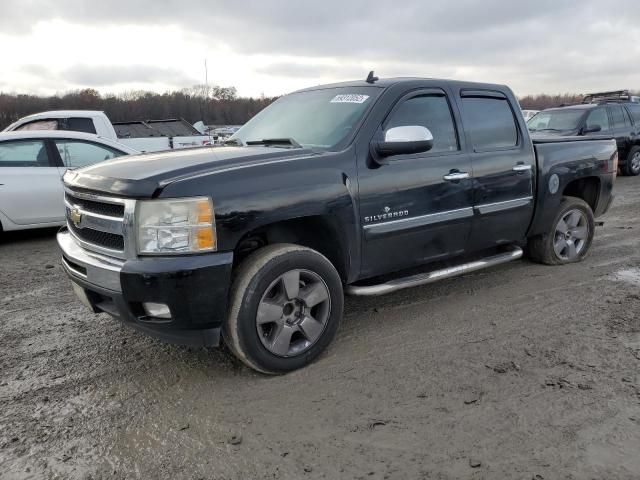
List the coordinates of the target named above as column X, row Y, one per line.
column 423, row 278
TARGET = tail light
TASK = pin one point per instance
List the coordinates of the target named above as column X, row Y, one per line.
column 613, row 164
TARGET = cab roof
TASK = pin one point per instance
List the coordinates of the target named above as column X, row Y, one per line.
column 389, row 82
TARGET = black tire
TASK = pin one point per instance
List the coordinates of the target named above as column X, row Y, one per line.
column 253, row 280
column 631, row 167
column 541, row 248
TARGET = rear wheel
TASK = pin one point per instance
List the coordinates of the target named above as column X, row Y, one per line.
column 286, row 306
column 632, row 165
column 569, row 237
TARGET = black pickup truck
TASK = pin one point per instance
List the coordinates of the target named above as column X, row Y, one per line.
column 365, row 187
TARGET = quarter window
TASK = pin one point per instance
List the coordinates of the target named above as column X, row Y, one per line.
column 80, row 125
column 76, row 153
column 24, row 153
column 432, row 112
column 490, row 123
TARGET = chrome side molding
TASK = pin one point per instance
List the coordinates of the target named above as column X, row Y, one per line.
column 424, row 278
column 499, row 206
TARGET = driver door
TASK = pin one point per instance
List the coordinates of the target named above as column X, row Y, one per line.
column 417, row 208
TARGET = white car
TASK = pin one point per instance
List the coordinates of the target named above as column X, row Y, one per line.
column 31, row 166
column 145, row 136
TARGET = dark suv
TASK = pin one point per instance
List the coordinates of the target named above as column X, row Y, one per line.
column 612, row 116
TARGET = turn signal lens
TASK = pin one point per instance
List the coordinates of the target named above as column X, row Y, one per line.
column 205, row 211
column 205, row 240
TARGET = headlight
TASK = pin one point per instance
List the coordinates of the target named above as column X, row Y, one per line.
column 183, row 225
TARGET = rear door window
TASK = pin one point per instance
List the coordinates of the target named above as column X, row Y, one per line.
column 24, row 153
column 635, row 112
column 77, row 153
column 617, row 116
column 489, row 123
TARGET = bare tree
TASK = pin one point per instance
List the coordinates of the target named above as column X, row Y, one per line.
column 211, row 104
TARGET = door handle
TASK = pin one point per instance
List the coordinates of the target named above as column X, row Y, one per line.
column 450, row 177
column 521, row 168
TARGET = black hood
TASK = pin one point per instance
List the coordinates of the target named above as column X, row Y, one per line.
column 146, row 174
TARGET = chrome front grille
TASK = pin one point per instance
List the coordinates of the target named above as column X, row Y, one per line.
column 109, row 209
column 111, row 241
column 101, row 223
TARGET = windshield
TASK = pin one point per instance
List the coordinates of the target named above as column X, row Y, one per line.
column 555, row 120
column 314, row 118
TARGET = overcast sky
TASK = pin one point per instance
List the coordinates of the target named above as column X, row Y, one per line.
column 276, row 46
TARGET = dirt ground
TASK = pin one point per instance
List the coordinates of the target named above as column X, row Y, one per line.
column 522, row 372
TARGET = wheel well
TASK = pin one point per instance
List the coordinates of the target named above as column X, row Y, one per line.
column 320, row 233
column 587, row 189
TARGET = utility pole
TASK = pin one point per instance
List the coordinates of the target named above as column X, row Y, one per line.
column 206, row 76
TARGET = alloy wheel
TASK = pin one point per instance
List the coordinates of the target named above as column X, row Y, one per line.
column 293, row 313
column 572, row 232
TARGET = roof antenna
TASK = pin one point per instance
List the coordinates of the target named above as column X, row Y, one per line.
column 371, row 78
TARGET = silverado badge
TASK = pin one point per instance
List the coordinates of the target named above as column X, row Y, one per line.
column 387, row 215
column 75, row 216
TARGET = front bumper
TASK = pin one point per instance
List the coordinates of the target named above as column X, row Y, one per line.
column 195, row 288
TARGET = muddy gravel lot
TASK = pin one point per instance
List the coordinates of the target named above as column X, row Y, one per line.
column 523, row 371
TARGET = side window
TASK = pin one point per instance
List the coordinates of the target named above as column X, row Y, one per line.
column 81, row 125
column 599, row 117
column 617, row 116
column 76, row 153
column 432, row 112
column 489, row 123
column 39, row 125
column 24, row 153
column 627, row 117
column 635, row 112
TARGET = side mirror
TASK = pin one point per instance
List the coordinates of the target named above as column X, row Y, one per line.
column 404, row 140
column 591, row 129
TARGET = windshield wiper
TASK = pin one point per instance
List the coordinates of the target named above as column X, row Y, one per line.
column 546, row 129
column 275, row 142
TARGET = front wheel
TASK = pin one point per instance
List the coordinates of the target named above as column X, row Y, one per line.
column 569, row 237
column 286, row 305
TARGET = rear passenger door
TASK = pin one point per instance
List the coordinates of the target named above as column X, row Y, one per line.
column 503, row 168
column 622, row 130
column 30, row 184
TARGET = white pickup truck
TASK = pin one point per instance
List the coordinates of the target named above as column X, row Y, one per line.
column 145, row 136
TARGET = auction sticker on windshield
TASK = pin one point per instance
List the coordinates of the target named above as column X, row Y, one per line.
column 350, row 98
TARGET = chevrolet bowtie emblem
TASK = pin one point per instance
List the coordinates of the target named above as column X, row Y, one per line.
column 75, row 216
